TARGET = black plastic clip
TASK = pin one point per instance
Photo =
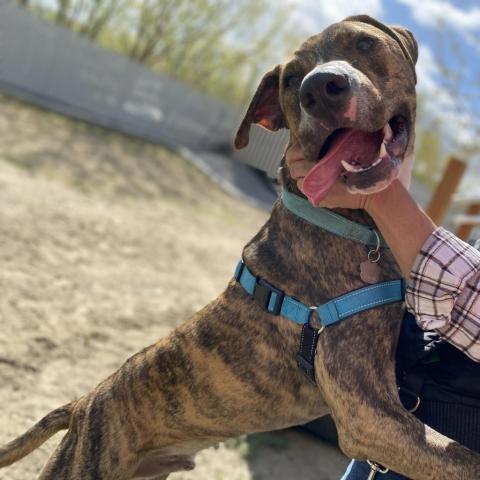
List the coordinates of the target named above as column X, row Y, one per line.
column 262, row 293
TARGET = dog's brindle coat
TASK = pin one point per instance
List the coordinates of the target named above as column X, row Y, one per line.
column 231, row 369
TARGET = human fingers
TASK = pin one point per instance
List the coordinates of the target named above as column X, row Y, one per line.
column 300, row 168
column 296, row 164
column 339, row 197
column 293, row 154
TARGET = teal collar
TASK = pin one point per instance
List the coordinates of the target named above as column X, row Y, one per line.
column 331, row 222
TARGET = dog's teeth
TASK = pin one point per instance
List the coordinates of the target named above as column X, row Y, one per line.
column 347, row 166
column 374, row 164
column 350, row 168
column 387, row 132
column 383, row 151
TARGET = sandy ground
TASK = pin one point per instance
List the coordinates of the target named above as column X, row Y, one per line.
column 106, row 244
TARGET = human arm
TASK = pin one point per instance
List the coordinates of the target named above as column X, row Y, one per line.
column 444, row 290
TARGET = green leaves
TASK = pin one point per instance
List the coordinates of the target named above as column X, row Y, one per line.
column 220, row 47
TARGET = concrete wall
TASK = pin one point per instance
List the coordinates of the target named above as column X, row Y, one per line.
column 54, row 68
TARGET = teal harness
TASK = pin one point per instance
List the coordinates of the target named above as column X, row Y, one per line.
column 276, row 302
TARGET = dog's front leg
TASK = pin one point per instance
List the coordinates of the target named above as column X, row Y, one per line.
column 394, row 438
column 355, row 372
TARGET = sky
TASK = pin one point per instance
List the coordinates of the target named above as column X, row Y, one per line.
column 448, row 33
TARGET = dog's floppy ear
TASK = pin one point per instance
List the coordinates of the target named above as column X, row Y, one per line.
column 408, row 40
column 264, row 108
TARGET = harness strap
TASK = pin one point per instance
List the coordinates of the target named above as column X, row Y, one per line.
column 306, row 352
column 276, row 302
column 271, row 299
column 359, row 300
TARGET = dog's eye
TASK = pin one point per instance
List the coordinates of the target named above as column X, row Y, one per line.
column 364, row 44
column 292, row 81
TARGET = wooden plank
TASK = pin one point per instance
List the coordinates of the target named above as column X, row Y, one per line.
column 465, row 230
column 442, row 196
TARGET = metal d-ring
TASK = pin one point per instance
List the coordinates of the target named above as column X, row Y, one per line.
column 415, row 408
column 418, row 401
column 313, row 311
column 374, row 255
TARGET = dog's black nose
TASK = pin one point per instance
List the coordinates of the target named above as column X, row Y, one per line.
column 321, row 90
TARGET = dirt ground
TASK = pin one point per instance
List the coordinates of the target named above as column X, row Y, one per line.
column 106, row 244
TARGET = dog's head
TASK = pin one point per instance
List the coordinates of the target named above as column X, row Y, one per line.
column 348, row 98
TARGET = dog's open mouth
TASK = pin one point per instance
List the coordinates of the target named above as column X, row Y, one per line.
column 365, row 161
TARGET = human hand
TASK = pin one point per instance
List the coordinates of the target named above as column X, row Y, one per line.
column 337, row 197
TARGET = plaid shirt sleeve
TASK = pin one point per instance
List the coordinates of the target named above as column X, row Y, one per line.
column 443, row 290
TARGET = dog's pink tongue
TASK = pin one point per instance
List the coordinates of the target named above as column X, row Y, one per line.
column 350, row 145
column 321, row 178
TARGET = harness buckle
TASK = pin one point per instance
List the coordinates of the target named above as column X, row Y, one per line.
column 263, row 294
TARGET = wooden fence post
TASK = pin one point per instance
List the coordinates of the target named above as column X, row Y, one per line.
column 464, row 230
column 442, row 196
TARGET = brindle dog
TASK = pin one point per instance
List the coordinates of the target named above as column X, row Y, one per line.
column 231, row 369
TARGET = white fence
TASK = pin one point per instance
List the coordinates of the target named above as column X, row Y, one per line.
column 56, row 69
